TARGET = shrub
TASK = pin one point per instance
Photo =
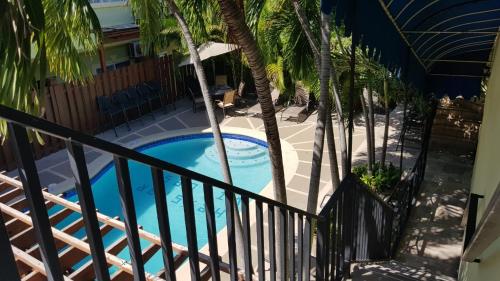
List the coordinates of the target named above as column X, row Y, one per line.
column 384, row 178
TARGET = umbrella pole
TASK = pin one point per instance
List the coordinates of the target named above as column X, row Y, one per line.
column 213, row 70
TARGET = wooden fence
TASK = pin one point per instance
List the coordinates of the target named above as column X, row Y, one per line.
column 74, row 106
column 456, row 125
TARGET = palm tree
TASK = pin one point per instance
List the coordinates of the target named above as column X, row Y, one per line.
column 368, row 128
column 319, row 135
column 41, row 36
column 151, row 9
column 304, row 22
column 238, row 28
column 386, row 124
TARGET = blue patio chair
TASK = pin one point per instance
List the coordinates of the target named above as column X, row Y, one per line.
column 148, row 95
column 122, row 100
column 155, row 86
column 194, row 91
column 136, row 99
column 107, row 108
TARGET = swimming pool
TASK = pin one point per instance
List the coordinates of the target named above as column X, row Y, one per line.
column 247, row 156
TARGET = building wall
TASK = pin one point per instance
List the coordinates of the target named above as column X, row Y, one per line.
column 486, row 176
column 113, row 13
column 114, row 55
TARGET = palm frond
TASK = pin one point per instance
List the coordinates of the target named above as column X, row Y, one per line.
column 40, row 36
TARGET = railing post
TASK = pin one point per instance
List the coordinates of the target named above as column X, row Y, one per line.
column 260, row 240
column 272, row 249
column 163, row 223
column 389, row 220
column 307, row 249
column 347, row 228
column 300, row 246
column 83, row 187
column 231, row 235
column 321, row 249
column 470, row 227
column 128, row 209
column 33, row 191
column 291, row 245
column 212, row 231
column 245, row 209
column 187, row 200
column 282, row 238
column 8, row 267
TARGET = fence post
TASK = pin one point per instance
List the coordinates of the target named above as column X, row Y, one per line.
column 347, row 229
column 321, row 249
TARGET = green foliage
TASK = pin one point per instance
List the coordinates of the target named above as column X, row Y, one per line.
column 419, row 105
column 40, row 36
column 384, row 178
column 282, row 41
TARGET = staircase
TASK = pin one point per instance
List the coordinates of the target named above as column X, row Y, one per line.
column 431, row 246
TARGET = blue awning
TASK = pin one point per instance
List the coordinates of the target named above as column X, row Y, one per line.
column 440, row 46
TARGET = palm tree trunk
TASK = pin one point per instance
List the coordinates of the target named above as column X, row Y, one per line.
column 238, row 28
column 386, row 125
column 368, row 134
column 333, row 76
column 330, row 140
column 319, row 136
column 200, row 73
column 219, row 143
column 236, row 24
column 371, row 119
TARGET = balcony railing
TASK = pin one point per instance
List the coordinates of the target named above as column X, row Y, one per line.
column 353, row 225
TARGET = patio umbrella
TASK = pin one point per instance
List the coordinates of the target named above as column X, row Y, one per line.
column 211, row 49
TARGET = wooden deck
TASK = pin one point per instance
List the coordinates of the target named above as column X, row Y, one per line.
column 72, row 249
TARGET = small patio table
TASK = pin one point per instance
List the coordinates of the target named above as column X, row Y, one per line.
column 218, row 91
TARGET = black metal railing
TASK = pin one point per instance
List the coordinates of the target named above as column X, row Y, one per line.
column 353, row 225
column 291, row 220
column 404, row 196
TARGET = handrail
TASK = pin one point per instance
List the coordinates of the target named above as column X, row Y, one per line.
column 374, row 195
column 61, row 132
column 407, row 177
column 487, row 230
column 347, row 183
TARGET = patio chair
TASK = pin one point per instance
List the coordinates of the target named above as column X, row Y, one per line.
column 300, row 104
column 121, row 98
column 138, row 99
column 194, row 91
column 147, row 94
column 227, row 102
column 197, row 100
column 256, row 110
column 155, row 86
column 108, row 109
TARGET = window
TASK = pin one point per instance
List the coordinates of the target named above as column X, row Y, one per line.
column 114, row 66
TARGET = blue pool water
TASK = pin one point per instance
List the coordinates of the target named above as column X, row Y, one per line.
column 250, row 170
